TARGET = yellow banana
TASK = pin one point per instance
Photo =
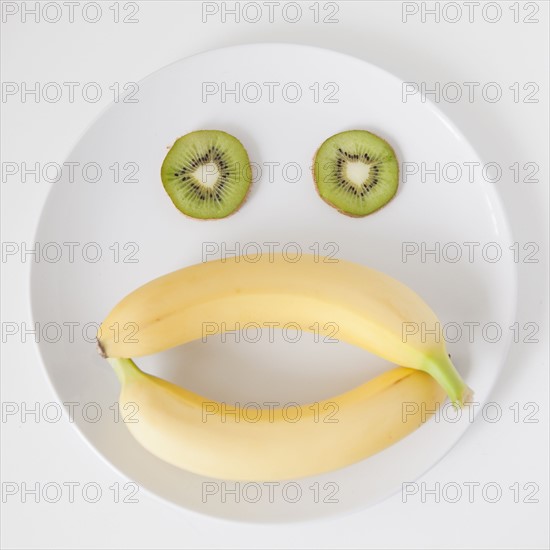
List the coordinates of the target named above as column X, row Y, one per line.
column 269, row 444
column 369, row 309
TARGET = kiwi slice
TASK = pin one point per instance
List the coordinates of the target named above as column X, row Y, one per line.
column 207, row 174
column 356, row 172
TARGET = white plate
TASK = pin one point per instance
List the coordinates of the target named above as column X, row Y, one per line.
column 170, row 104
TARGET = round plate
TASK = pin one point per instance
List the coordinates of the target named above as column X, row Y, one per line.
column 281, row 101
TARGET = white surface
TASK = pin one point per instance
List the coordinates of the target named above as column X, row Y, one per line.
column 505, row 132
column 170, row 105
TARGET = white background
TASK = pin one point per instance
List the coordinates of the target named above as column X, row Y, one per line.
column 505, row 452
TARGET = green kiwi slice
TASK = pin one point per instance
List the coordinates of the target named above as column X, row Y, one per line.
column 356, row 172
column 207, row 174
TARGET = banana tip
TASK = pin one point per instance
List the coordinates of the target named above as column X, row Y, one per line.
column 100, row 350
column 466, row 399
column 468, row 396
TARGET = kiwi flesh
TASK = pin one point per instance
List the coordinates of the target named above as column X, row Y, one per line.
column 356, row 172
column 207, row 174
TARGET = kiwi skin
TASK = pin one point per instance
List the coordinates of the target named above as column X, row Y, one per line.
column 245, row 196
column 332, row 205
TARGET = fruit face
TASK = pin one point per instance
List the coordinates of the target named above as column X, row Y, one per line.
column 356, row 172
column 207, row 174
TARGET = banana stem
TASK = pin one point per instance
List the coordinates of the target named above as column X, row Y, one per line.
column 443, row 370
column 125, row 369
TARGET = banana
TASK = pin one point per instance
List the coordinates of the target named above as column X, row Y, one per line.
column 370, row 309
column 253, row 444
